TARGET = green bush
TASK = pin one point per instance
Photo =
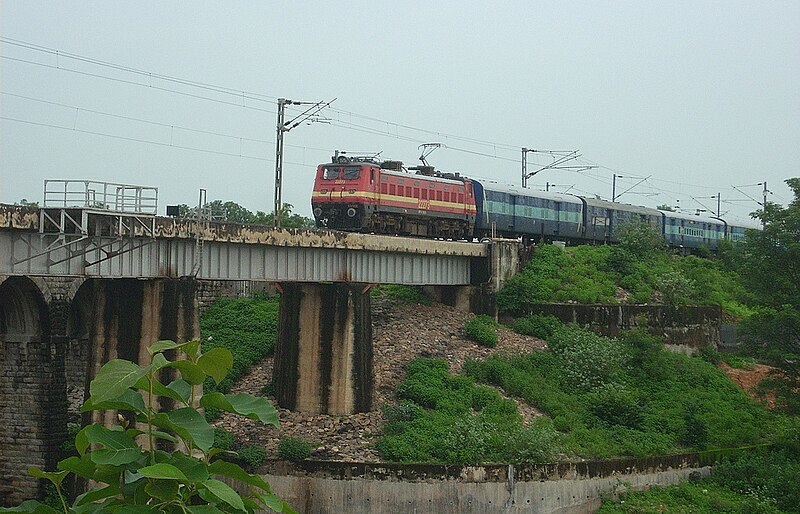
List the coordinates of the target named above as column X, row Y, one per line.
column 482, row 329
column 616, row 405
column 446, row 418
column 252, row 456
column 295, row 450
column 223, row 439
column 703, row 497
column 589, row 361
column 537, row 325
column 771, row 476
column 610, row 398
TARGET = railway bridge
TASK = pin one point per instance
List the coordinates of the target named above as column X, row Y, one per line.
column 88, row 281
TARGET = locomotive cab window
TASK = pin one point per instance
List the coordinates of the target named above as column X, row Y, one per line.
column 352, row 172
column 330, row 173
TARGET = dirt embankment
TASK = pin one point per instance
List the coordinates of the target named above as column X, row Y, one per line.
column 748, row 379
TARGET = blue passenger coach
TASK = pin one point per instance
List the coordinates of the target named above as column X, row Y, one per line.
column 511, row 211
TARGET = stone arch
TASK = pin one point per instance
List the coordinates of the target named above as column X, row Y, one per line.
column 23, row 311
column 29, row 392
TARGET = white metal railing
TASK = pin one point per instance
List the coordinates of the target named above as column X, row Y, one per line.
column 101, row 195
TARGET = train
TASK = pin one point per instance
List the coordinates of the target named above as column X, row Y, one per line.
column 367, row 195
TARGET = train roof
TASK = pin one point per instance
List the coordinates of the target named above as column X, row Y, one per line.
column 432, row 178
column 693, row 217
column 520, row 191
column 638, row 209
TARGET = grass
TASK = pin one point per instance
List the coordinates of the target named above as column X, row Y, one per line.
column 628, row 398
column 445, row 418
column 592, row 274
column 246, row 326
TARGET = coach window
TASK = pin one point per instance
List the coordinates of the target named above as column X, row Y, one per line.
column 371, row 176
column 331, row 173
column 352, row 172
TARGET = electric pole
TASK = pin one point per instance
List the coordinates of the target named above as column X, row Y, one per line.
column 614, row 187
column 279, row 161
column 286, row 126
column 559, row 158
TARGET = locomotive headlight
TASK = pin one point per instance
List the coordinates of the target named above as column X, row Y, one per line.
column 351, row 212
column 317, row 212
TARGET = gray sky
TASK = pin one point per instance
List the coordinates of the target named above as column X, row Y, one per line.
column 700, row 96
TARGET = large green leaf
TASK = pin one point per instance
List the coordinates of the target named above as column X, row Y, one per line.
column 117, row 447
column 273, row 502
column 188, row 424
column 164, row 471
column 159, row 389
column 163, row 346
column 54, row 476
column 245, row 404
column 190, row 372
column 81, row 466
column 32, row 507
column 195, row 470
column 204, row 509
column 96, row 494
column 189, row 347
column 216, row 363
column 164, row 490
column 129, row 400
column 224, row 492
column 81, row 441
column 183, row 388
column 231, row 470
column 113, row 379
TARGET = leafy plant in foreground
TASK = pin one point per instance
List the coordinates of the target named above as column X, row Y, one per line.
column 142, row 478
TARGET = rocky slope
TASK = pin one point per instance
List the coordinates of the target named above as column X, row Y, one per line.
column 401, row 333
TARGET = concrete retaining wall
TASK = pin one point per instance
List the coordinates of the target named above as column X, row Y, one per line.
column 687, row 327
column 323, row 487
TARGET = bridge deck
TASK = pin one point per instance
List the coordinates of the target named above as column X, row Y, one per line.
column 111, row 245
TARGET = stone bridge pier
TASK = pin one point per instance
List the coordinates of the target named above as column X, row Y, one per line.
column 323, row 359
column 55, row 333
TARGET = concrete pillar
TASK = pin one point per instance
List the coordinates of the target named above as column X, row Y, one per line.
column 323, row 359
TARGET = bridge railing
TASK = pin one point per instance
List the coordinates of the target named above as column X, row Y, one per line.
column 101, row 195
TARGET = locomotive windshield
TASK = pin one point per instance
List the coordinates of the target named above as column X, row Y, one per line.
column 331, row 173
column 350, row 172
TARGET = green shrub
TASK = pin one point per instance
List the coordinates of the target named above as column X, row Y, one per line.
column 482, row 329
column 401, row 294
column 448, row 419
column 610, row 398
column 252, row 456
column 293, row 449
column 537, row 325
column 771, row 476
column 223, row 439
column 589, row 360
column 616, row 405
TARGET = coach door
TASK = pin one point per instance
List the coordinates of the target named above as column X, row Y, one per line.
column 512, row 224
column 557, row 227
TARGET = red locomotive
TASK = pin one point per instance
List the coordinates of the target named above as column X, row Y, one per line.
column 360, row 193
